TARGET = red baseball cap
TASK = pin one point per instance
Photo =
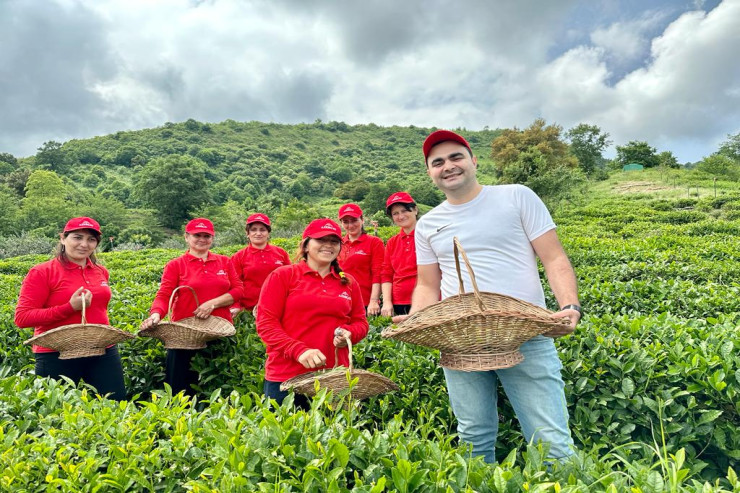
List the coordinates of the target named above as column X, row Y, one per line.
column 259, row 218
column 399, row 198
column 318, row 228
column 352, row 210
column 200, row 225
column 82, row 223
column 439, row 136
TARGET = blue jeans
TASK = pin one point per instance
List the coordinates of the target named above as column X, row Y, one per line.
column 536, row 392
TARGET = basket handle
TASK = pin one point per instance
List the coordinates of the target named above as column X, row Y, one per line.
column 460, row 251
column 336, row 353
column 172, row 298
column 82, row 298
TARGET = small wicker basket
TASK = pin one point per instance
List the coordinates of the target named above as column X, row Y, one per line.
column 80, row 340
column 188, row 333
column 369, row 384
column 475, row 331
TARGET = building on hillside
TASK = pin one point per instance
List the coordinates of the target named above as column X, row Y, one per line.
column 632, row 167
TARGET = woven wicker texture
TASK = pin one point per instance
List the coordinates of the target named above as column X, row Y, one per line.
column 475, row 331
column 369, row 384
column 191, row 332
column 80, row 340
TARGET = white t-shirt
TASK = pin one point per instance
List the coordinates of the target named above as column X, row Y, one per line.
column 495, row 229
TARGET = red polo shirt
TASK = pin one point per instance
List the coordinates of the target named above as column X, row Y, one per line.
column 299, row 310
column 399, row 267
column 253, row 266
column 210, row 278
column 44, row 299
column 363, row 258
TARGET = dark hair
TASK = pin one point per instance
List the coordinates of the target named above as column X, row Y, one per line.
column 409, row 206
column 60, row 254
column 302, row 254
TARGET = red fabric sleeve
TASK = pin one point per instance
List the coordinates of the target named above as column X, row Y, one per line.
column 378, row 254
column 237, row 287
column 170, row 280
column 270, row 312
column 386, row 275
column 357, row 325
column 285, row 256
column 30, row 311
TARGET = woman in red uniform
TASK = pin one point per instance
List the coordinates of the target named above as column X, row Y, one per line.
column 215, row 282
column 361, row 256
column 255, row 262
column 399, row 266
column 52, row 295
column 302, row 306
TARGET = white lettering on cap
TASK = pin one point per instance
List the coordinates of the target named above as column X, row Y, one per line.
column 328, row 226
column 396, row 197
column 87, row 223
column 200, row 225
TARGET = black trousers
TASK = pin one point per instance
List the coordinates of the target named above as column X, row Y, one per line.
column 272, row 391
column 102, row 372
column 177, row 373
column 401, row 309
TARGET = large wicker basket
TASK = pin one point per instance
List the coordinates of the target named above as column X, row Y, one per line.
column 476, row 331
column 369, row 384
column 188, row 333
column 80, row 340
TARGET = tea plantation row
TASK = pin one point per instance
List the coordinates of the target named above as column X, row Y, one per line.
column 652, row 380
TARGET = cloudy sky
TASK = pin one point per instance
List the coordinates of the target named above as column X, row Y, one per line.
column 665, row 71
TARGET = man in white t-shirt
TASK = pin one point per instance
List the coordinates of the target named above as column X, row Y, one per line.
column 504, row 229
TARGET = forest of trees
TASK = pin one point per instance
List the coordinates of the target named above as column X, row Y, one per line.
column 142, row 185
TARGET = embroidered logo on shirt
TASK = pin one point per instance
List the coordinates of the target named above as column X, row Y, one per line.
column 279, row 262
column 346, row 296
column 443, row 227
column 104, row 283
column 360, row 252
column 221, row 273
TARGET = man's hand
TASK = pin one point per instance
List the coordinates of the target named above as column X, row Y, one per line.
column 564, row 330
column 312, row 358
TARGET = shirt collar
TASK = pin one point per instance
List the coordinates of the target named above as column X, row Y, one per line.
column 359, row 239
column 193, row 258
column 71, row 265
column 304, row 269
column 404, row 235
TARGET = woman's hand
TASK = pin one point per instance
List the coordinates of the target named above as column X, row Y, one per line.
column 387, row 310
column 80, row 296
column 312, row 358
column 205, row 310
column 341, row 336
column 373, row 308
column 153, row 319
column 235, row 311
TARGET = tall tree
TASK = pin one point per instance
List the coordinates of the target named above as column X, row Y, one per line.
column 731, row 147
column 173, row 185
column 52, row 157
column 668, row 160
column 637, row 152
column 587, row 143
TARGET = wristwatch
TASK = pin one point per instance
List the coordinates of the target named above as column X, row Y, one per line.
column 573, row 307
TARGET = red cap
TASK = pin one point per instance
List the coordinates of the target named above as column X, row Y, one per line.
column 82, row 223
column 259, row 218
column 318, row 228
column 399, row 198
column 438, row 136
column 200, row 225
column 352, row 210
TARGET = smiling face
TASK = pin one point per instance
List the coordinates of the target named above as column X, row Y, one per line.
column 258, row 235
column 451, row 168
column 352, row 225
column 79, row 245
column 404, row 218
column 199, row 243
column 321, row 252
